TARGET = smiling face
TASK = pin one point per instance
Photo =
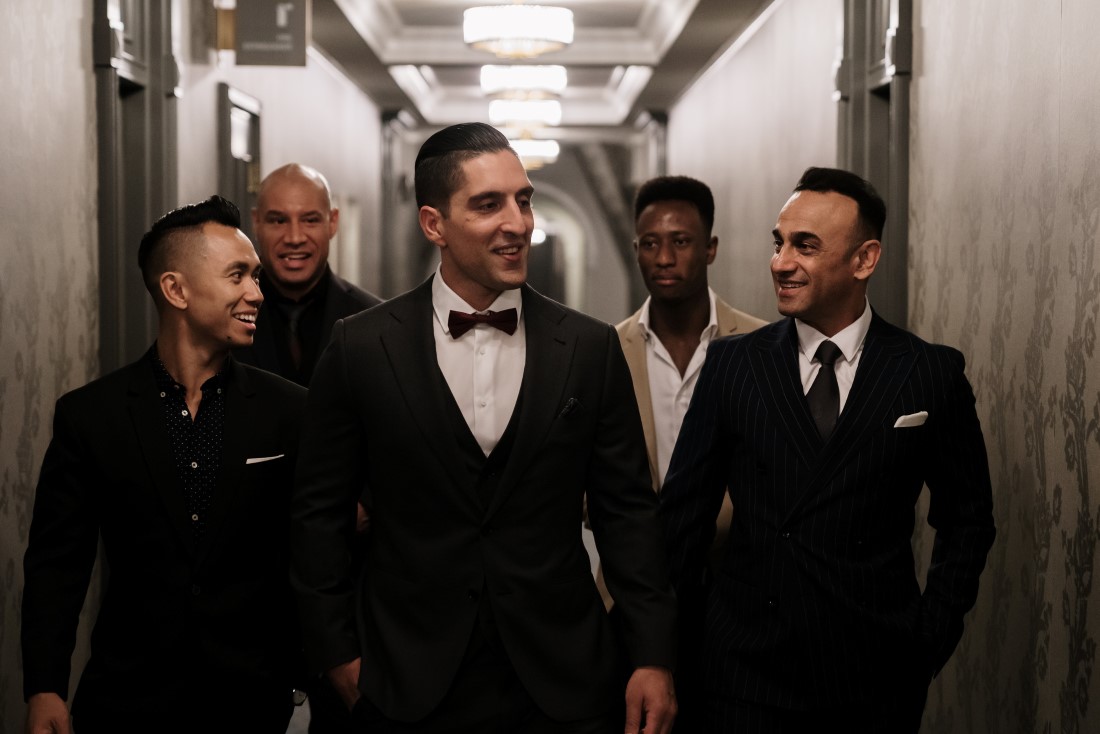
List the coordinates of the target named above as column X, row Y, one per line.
column 222, row 288
column 294, row 222
column 674, row 250
column 821, row 264
column 485, row 235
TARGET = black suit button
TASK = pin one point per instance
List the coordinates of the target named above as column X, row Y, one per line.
column 772, row 604
column 488, row 530
column 472, row 595
column 195, row 589
column 786, row 536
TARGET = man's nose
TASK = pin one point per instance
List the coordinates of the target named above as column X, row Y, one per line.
column 254, row 296
column 666, row 254
column 781, row 260
column 295, row 233
column 515, row 219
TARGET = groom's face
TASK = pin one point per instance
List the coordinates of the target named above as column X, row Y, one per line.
column 485, row 236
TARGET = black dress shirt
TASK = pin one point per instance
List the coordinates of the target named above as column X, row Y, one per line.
column 196, row 441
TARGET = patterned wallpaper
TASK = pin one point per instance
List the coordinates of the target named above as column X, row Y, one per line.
column 1005, row 238
column 48, row 298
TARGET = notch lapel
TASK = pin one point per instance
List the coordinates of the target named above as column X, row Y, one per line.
column 774, row 365
column 634, row 350
column 409, row 344
column 884, row 366
column 545, row 372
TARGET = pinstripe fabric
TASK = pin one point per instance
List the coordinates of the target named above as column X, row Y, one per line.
column 816, row 602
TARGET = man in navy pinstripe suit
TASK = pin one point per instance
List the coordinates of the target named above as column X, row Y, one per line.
column 815, row 620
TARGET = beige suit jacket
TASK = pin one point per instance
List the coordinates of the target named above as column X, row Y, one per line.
column 730, row 322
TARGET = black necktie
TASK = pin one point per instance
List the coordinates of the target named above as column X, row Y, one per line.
column 459, row 323
column 824, row 394
column 293, row 338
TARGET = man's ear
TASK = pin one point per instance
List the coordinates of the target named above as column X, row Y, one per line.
column 866, row 258
column 255, row 219
column 712, row 249
column 174, row 289
column 431, row 224
column 333, row 221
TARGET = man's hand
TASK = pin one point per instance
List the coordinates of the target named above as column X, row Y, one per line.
column 47, row 714
column 362, row 519
column 345, row 679
column 650, row 696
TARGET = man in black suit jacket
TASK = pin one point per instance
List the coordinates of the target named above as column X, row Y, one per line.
column 182, row 463
column 478, row 434
column 815, row 620
column 294, row 220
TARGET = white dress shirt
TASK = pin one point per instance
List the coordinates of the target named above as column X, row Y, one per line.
column 483, row 367
column 669, row 392
column 850, row 340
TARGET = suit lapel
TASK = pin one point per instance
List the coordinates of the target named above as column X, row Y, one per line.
column 409, row 343
column 634, row 349
column 147, row 414
column 545, row 372
column 884, row 366
column 775, row 369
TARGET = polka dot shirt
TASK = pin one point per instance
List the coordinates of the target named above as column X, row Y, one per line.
column 196, row 441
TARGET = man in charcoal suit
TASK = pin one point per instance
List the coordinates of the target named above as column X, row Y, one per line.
column 479, row 413
column 295, row 221
column 825, row 426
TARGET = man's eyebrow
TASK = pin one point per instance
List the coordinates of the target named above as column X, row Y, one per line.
column 799, row 236
column 238, row 265
column 527, row 191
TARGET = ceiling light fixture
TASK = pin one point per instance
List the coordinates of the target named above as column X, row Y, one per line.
column 525, row 111
column 496, row 79
column 535, row 154
column 518, row 31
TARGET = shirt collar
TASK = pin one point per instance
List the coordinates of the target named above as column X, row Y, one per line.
column 166, row 382
column 708, row 331
column 445, row 300
column 849, row 339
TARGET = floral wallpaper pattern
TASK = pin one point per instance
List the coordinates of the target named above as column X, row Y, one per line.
column 48, row 297
column 1004, row 238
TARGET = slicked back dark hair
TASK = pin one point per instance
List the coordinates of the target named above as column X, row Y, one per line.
column 872, row 209
column 438, row 170
column 676, row 188
column 162, row 245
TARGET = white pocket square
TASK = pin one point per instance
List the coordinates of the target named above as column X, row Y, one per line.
column 912, row 420
column 262, row 459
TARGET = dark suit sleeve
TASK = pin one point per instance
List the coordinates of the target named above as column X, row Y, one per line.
column 692, row 494
column 327, row 484
column 623, row 514
column 58, row 563
column 961, row 511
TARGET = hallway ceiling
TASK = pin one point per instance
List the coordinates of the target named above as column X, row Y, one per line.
column 628, row 57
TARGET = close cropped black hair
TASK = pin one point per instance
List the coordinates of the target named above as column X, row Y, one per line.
column 153, row 255
column 215, row 209
column 438, row 168
column 872, row 209
column 677, row 188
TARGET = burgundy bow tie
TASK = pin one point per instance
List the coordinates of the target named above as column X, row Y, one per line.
column 459, row 323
